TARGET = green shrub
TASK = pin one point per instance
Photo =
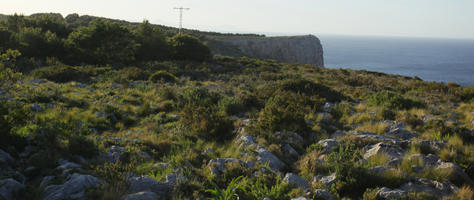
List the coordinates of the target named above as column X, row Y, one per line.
column 132, row 74
column 392, row 100
column 207, row 123
column 80, row 145
column 279, row 114
column 186, row 47
column 61, row 74
column 163, row 76
column 231, row 106
column 266, row 185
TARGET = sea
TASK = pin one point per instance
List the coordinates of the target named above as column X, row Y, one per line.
column 439, row 60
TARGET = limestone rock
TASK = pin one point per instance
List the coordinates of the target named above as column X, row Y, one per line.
column 245, row 141
column 326, row 180
column 328, row 144
column 73, row 188
column 290, row 151
column 400, row 133
column 140, row 184
column 265, row 156
column 9, row 188
column 301, row 198
column 296, row 181
column 323, row 194
column 431, row 187
column 387, row 193
column 141, row 196
column 5, row 158
column 218, row 165
column 390, row 151
column 46, row 181
column 305, row 49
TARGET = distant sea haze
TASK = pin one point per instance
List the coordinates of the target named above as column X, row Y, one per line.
column 440, row 60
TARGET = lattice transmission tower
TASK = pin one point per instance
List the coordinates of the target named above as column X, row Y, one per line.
column 181, row 9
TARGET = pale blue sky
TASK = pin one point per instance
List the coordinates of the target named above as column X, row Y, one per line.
column 412, row 18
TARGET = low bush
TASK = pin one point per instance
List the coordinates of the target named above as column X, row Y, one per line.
column 163, row 76
column 392, row 100
column 80, row 145
column 62, row 74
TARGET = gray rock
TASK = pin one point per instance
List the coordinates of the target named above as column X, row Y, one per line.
column 9, row 188
column 290, row 151
column 373, row 136
column 387, row 193
column 73, row 188
column 455, row 172
column 433, row 145
column 46, row 181
column 65, row 165
column 141, row 196
column 218, row 165
column 328, row 144
column 338, row 134
column 264, row 156
column 382, row 170
column 328, row 106
column 5, row 158
column 400, row 133
column 267, row 198
column 140, row 184
column 174, row 178
column 296, row 181
column 326, row 180
column 430, row 187
column 36, row 107
column 323, row 194
column 390, row 151
column 246, row 141
column 209, row 151
column 301, row 198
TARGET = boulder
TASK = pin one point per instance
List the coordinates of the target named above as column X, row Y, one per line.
column 46, row 181
column 328, row 144
column 301, row 198
column 73, row 188
column 290, row 151
column 390, row 151
column 430, row 187
column 9, row 188
column 326, row 180
column 142, row 196
column 36, row 107
column 264, row 156
column 143, row 183
column 296, row 181
column 455, row 172
column 323, row 194
column 400, row 133
column 328, row 106
column 5, row 158
column 245, row 141
column 433, row 145
column 218, row 165
column 338, row 134
column 387, row 193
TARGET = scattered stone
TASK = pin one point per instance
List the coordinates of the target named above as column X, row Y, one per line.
column 46, row 181
column 267, row 198
column 382, row 170
column 65, row 165
column 9, row 188
column 296, row 181
column 390, row 151
column 433, row 145
column 174, row 178
column 328, row 106
column 400, row 133
column 209, row 151
column 141, row 196
column 36, row 107
column 264, row 156
column 245, row 141
column 301, row 198
column 430, row 187
column 74, row 188
column 218, row 165
column 326, row 180
column 455, row 172
column 142, row 183
column 290, row 151
column 338, row 134
column 387, row 193
column 328, row 144
column 323, row 194
column 5, row 158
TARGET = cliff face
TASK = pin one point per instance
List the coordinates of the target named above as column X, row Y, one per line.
column 299, row 49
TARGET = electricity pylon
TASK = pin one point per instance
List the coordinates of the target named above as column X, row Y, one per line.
column 181, row 17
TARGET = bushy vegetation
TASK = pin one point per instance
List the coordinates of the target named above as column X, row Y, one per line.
column 103, row 96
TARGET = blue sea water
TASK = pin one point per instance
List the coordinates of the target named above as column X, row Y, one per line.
column 440, row 60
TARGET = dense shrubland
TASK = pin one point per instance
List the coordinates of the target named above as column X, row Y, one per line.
column 161, row 107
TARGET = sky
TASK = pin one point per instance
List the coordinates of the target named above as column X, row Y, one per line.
column 406, row 18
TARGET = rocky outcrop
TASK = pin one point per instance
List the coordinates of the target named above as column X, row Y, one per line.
column 305, row 49
column 296, row 181
column 74, row 188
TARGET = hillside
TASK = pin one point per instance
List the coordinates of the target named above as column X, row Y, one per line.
column 107, row 121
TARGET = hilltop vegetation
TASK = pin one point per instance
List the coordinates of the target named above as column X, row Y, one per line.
column 107, row 111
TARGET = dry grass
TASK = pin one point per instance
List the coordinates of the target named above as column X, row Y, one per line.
column 379, row 128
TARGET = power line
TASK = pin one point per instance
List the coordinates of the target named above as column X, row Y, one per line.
column 181, row 17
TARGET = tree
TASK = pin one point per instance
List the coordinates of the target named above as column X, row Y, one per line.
column 152, row 42
column 186, row 47
column 35, row 43
column 102, row 42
